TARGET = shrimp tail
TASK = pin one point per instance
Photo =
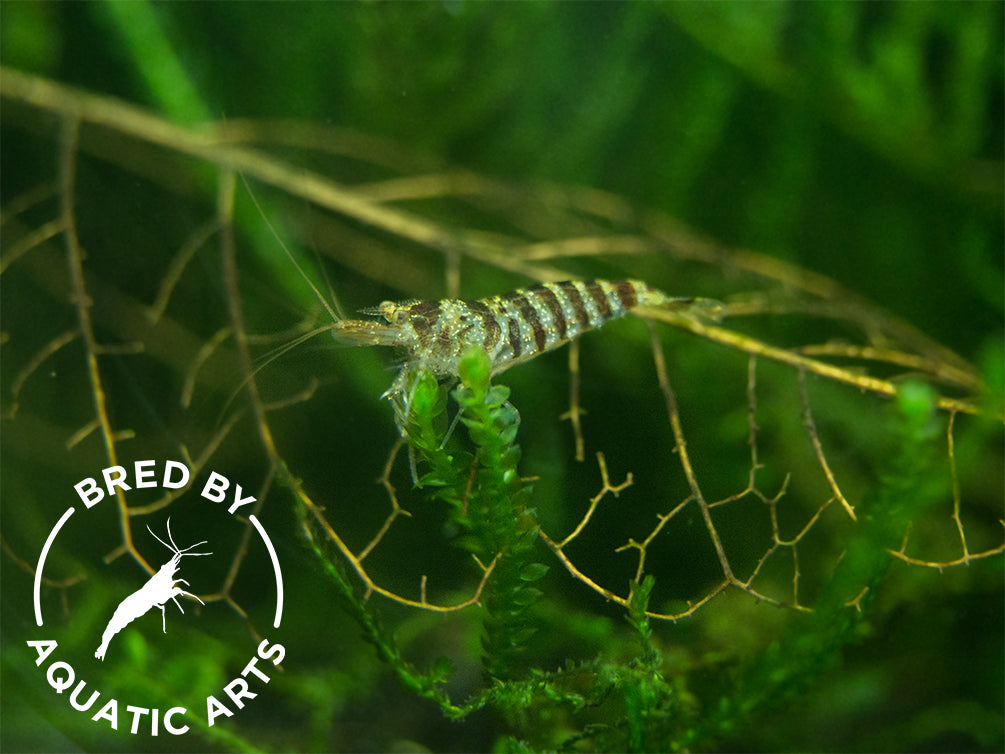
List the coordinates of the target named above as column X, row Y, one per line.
column 124, row 614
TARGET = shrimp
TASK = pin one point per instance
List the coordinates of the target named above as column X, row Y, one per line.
column 160, row 588
column 511, row 328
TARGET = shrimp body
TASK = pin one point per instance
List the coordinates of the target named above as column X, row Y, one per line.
column 158, row 589
column 511, row 328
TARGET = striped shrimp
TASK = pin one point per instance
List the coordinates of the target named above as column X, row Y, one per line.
column 511, row 328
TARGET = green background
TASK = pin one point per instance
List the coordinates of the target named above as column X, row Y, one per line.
column 861, row 141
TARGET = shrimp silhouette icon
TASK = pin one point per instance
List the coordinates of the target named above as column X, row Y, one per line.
column 160, row 588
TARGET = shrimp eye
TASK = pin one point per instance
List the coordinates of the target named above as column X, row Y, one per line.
column 394, row 314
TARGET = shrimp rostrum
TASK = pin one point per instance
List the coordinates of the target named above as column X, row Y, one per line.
column 160, row 588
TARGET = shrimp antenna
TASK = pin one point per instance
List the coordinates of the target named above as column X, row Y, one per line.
column 335, row 315
column 173, row 547
column 268, row 358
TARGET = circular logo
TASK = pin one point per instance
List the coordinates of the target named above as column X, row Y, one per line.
column 166, row 588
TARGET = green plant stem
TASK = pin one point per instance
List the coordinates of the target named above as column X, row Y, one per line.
column 488, row 499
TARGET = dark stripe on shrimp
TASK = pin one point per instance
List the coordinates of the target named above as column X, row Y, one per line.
column 626, row 293
column 572, row 293
column 493, row 332
column 547, row 297
column 423, row 316
column 514, row 337
column 529, row 314
column 600, row 299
